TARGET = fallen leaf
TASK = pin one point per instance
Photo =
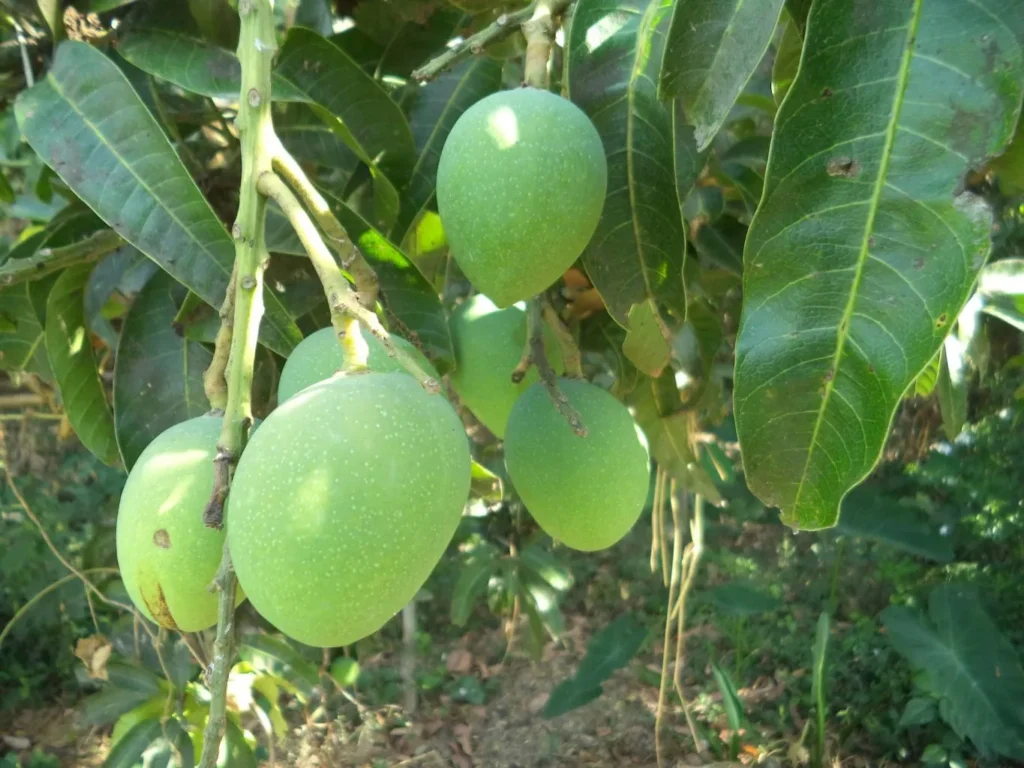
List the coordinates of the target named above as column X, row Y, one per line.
column 94, row 651
column 460, row 661
column 17, row 743
column 537, row 702
column 465, row 736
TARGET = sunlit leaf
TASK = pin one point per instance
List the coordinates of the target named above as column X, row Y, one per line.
column 860, row 256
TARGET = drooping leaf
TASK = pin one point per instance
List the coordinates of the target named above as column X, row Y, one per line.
column 476, row 571
column 158, row 376
column 968, row 663
column 873, row 516
column 69, row 348
column 739, row 598
column 87, row 123
column 412, row 305
column 951, row 385
column 712, row 50
column 433, row 109
column 860, row 256
column 610, row 649
column 613, row 50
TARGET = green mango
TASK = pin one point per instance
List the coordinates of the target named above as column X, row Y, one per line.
column 343, row 502
column 489, row 343
column 167, row 557
column 319, row 356
column 584, row 491
column 520, row 188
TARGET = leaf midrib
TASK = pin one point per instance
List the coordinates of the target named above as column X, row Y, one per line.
column 843, row 331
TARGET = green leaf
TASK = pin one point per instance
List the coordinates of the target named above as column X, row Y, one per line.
column 541, row 598
column 110, row 703
column 22, row 346
column 954, row 376
column 818, row 660
column 311, row 141
column 860, row 256
column 433, row 109
column 345, row 671
column 87, row 123
column 129, row 749
column 158, row 376
column 610, row 649
column 721, row 243
column 1009, row 166
column 476, row 572
column 876, row 517
column 703, row 204
column 730, row 697
column 787, row 59
column 69, row 348
column 613, row 51
column 413, row 307
column 645, row 343
column 350, row 101
column 712, row 50
column 192, row 63
column 537, row 559
column 263, row 648
column 968, row 664
column 740, row 598
column 484, row 484
column 388, row 44
column 925, row 382
column 919, row 711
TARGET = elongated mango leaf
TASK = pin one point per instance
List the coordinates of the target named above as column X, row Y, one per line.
column 712, row 50
column 158, row 376
column 411, row 304
column 861, row 254
column 352, row 102
column 871, row 515
column 192, row 63
column 87, row 123
column 74, row 365
column 311, row 141
column 951, row 384
column 129, row 749
column 967, row 662
column 433, row 109
column 613, row 51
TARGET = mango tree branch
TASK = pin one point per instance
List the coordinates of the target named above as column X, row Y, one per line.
column 215, row 383
column 499, row 29
column 352, row 260
column 344, row 305
column 46, row 261
column 256, row 46
column 539, row 31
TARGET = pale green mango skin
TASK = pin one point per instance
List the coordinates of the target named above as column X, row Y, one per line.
column 489, row 343
column 166, row 555
column 343, row 502
column 319, row 356
column 584, row 491
column 520, row 188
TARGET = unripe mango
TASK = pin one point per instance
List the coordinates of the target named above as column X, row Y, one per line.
column 489, row 343
column 343, row 502
column 585, row 491
column 167, row 556
column 520, row 188
column 319, row 356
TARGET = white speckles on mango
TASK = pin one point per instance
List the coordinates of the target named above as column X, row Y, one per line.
column 587, row 492
column 337, row 519
column 520, row 187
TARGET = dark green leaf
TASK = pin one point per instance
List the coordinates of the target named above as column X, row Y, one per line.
column 954, row 376
column 610, row 649
column 740, row 598
column 22, row 346
column 918, row 711
column 870, row 515
column 129, row 749
column 433, row 109
column 412, row 305
column 613, row 51
column 969, row 665
column 158, row 376
column 476, row 572
column 819, row 653
column 721, row 243
column 217, row 20
column 315, row 14
column 69, row 348
column 109, row 704
column 860, row 256
column 392, row 45
column 87, row 123
column 730, row 697
column 704, row 205
column 712, row 50
column 311, row 141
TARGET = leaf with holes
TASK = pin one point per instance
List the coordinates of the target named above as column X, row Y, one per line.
column 69, row 348
column 861, row 253
column 87, row 123
column 433, row 109
column 712, row 50
column 613, row 50
column 158, row 376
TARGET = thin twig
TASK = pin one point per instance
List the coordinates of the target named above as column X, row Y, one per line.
column 677, row 541
column 570, row 352
column 691, row 560
column 352, row 260
column 341, row 299
column 215, row 382
column 46, row 261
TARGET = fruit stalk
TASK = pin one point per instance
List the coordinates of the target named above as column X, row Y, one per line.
column 346, row 311
column 256, row 47
column 352, row 260
column 567, row 344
